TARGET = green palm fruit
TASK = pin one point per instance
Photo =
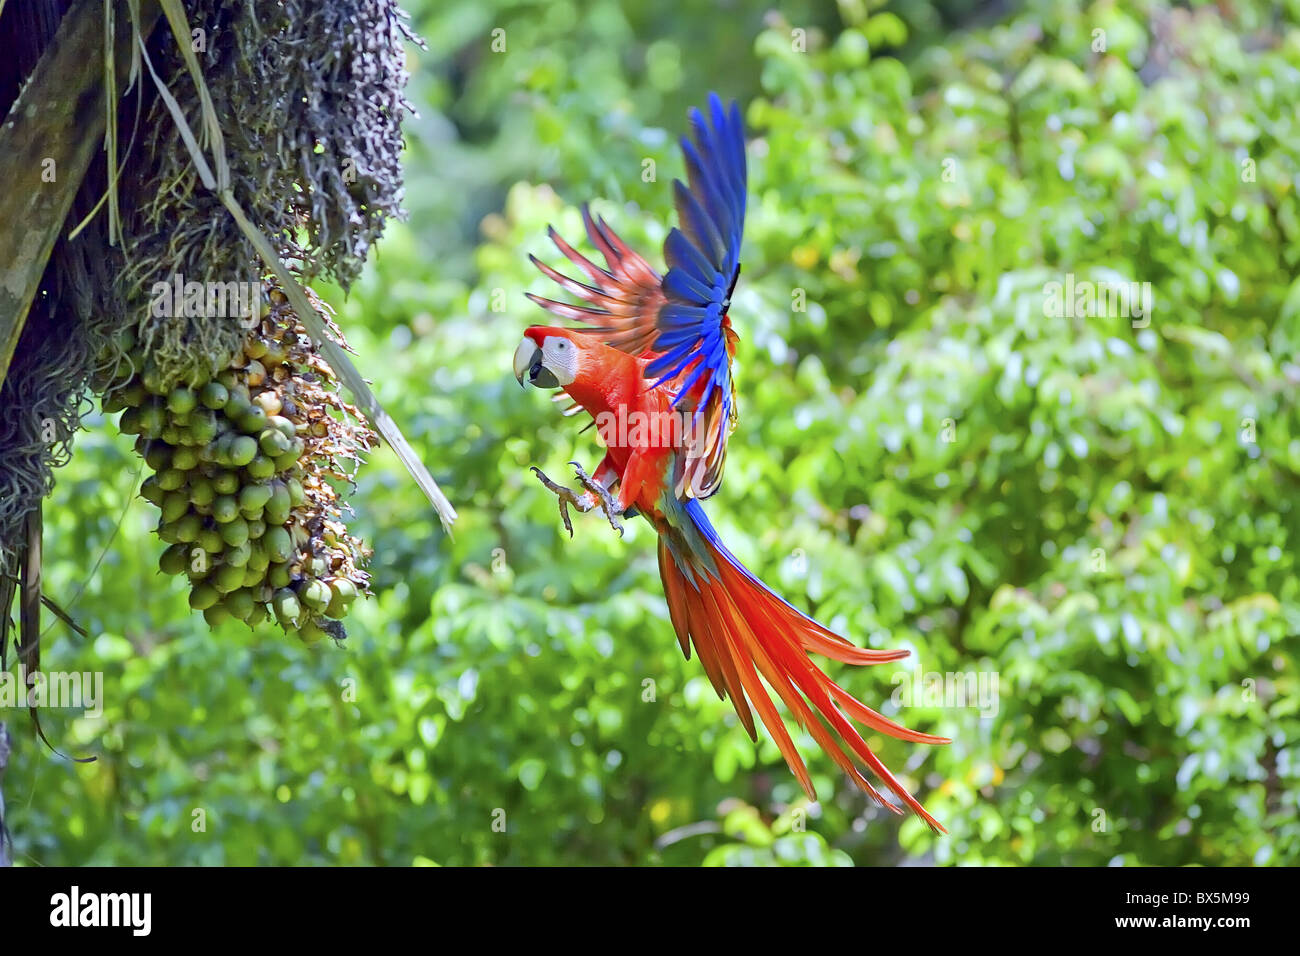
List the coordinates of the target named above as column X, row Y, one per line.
column 153, row 419
column 234, row 532
column 284, row 426
column 315, row 594
column 188, row 528
column 242, row 450
column 152, row 379
column 171, row 479
column 185, row 458
column 181, row 401
column 174, row 505
column 259, row 560
column 227, row 578
column 201, row 491
column 215, row 614
column 309, row 632
column 214, row 395
column 276, row 511
column 225, row 508
column 233, row 459
column 203, row 427
column 237, row 406
column 157, row 454
column 279, row 544
column 132, row 394
column 261, row 468
column 152, row 492
column 225, row 482
column 273, row 443
column 203, row 596
column 174, row 559
column 199, row 563
column 275, row 355
column 112, row 402
column 238, row 555
column 287, row 609
column 239, row 603
column 210, row 540
column 342, row 593
column 253, row 420
column 131, row 422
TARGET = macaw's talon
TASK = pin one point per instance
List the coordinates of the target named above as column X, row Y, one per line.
column 607, row 503
column 566, row 497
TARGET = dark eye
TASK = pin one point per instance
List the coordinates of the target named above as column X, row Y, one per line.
column 561, row 345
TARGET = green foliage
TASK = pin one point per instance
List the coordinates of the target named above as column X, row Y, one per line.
column 1096, row 509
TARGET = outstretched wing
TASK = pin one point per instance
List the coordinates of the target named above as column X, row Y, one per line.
column 694, row 339
column 680, row 319
column 625, row 298
column 623, row 301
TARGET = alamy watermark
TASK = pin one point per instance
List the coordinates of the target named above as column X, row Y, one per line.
column 216, row 300
column 952, row 690
column 58, row 690
column 1084, row 299
column 658, row 429
column 133, row 911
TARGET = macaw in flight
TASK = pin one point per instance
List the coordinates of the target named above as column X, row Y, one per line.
column 651, row 363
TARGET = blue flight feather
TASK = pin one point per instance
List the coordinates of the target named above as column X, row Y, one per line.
column 703, row 258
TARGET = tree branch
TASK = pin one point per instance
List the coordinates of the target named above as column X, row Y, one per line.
column 48, row 141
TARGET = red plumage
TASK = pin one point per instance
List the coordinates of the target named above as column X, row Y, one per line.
column 653, row 347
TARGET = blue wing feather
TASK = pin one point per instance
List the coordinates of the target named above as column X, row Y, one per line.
column 699, row 225
column 681, row 284
column 683, row 256
column 691, row 379
column 704, row 254
column 703, row 258
column 668, row 365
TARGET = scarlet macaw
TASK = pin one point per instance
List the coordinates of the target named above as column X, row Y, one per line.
column 652, row 365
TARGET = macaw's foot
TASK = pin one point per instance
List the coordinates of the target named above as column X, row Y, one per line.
column 567, row 496
column 596, row 495
column 607, row 503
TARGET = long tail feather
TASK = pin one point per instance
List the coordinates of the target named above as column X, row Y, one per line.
column 743, row 631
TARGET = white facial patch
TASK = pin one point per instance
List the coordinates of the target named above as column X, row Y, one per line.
column 561, row 357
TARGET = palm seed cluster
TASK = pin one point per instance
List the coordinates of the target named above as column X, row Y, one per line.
column 245, row 470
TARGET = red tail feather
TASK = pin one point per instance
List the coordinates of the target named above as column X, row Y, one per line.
column 742, row 631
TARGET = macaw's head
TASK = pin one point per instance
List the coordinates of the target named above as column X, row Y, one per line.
column 549, row 357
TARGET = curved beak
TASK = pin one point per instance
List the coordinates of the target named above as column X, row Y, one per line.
column 528, row 362
column 527, row 356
